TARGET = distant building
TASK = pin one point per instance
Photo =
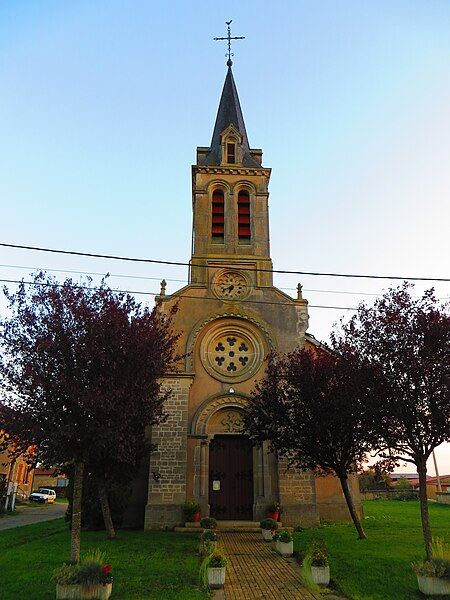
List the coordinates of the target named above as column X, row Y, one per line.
column 15, row 474
column 49, row 478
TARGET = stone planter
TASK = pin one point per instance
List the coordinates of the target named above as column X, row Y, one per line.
column 433, row 586
column 68, row 592
column 284, row 548
column 267, row 534
column 216, row 577
column 320, row 575
column 91, row 592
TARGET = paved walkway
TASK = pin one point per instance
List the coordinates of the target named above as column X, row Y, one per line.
column 256, row 571
column 37, row 513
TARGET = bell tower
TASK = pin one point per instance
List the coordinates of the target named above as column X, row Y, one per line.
column 230, row 199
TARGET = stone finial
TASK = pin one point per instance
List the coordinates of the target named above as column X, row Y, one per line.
column 163, row 288
column 299, row 292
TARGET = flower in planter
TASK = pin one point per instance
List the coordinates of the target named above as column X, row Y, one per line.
column 209, row 535
column 216, row 560
column 92, row 570
column 284, row 536
column 191, row 508
column 319, row 555
column 316, row 561
column 269, row 524
column 208, row 542
column 208, row 523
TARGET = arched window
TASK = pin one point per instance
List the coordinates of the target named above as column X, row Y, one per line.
column 243, row 215
column 218, row 215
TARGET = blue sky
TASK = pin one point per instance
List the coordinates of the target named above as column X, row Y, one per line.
column 103, row 104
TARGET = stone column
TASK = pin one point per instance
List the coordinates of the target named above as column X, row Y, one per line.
column 167, row 477
column 204, row 461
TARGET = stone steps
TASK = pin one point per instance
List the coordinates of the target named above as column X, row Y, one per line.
column 225, row 526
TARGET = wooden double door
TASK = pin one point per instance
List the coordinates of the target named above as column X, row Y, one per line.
column 231, row 478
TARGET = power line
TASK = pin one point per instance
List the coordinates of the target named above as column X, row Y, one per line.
column 191, row 264
column 147, row 278
column 85, row 287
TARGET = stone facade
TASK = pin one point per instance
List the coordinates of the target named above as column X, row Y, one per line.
column 230, row 316
column 167, row 479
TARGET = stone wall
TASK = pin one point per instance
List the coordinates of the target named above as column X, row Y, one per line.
column 167, row 473
column 297, row 496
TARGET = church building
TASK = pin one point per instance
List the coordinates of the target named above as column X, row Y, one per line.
column 230, row 316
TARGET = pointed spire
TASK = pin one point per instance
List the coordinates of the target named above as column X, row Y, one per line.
column 229, row 112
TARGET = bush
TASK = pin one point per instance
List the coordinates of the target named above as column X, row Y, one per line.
column 284, row 536
column 190, row 509
column 318, row 554
column 208, row 523
column 431, row 568
column 209, row 535
column 217, row 560
column 268, row 524
column 214, row 560
column 92, row 570
column 274, row 507
column 406, row 495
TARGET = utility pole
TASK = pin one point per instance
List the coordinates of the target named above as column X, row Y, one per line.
column 437, row 473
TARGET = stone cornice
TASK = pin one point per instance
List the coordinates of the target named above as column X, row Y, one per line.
column 231, row 170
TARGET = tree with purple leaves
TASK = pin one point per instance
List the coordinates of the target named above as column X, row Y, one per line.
column 409, row 338
column 80, row 367
column 313, row 407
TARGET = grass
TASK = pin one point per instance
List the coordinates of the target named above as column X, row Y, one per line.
column 164, row 566
column 379, row 568
column 146, row 565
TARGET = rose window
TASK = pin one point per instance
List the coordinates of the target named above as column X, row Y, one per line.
column 231, row 354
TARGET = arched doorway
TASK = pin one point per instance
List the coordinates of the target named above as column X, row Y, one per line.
column 225, row 459
column 231, row 477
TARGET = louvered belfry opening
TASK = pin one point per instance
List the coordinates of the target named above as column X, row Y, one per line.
column 218, row 215
column 244, row 215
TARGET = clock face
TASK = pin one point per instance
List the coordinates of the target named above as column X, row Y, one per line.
column 231, row 285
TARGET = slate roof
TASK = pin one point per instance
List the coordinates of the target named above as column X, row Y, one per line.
column 229, row 112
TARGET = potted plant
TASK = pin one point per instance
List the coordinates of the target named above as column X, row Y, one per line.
column 268, row 528
column 208, row 523
column 284, row 542
column 208, row 542
column 320, row 569
column 273, row 511
column 212, row 571
column 91, row 578
column 433, row 576
column 191, row 511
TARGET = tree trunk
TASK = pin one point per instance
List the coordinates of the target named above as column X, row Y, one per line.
column 106, row 512
column 351, row 507
column 76, row 513
column 422, row 470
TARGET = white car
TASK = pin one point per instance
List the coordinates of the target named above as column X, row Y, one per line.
column 43, row 495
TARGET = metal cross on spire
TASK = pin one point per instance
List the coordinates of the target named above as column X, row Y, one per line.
column 229, row 38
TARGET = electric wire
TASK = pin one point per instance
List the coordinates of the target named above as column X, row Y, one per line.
column 174, row 296
column 242, row 268
column 185, row 281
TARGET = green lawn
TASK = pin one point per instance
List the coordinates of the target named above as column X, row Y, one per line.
column 146, row 565
column 379, row 568
column 164, row 566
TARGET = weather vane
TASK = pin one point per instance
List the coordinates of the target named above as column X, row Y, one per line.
column 229, row 38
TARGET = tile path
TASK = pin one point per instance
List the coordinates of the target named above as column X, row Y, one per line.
column 256, row 571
